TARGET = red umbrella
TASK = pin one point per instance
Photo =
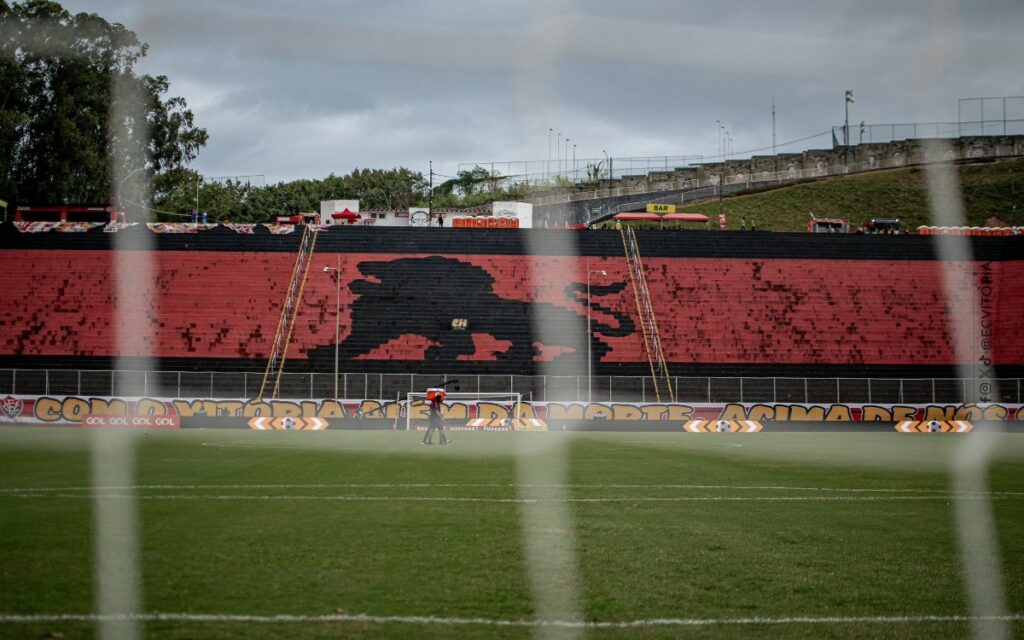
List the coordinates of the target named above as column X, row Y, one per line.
column 346, row 215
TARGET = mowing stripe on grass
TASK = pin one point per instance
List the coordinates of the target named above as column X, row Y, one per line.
column 199, row 497
column 429, row 485
column 493, row 622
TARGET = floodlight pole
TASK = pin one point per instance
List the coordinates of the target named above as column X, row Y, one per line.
column 721, row 195
column 590, row 342
column 846, row 130
column 547, row 165
column 337, row 318
column 558, row 154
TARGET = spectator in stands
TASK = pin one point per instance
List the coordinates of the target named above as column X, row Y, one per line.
column 753, row 224
column 205, row 219
column 743, row 224
column 195, row 216
column 440, row 220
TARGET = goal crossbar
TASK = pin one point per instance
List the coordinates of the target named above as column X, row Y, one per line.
column 462, row 407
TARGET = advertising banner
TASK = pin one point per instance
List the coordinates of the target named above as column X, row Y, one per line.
column 72, row 410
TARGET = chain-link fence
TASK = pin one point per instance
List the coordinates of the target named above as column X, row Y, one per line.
column 561, row 171
column 880, row 133
column 298, row 386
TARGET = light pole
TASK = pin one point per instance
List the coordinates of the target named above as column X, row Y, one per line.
column 608, row 166
column 718, row 136
column 337, row 317
column 558, row 153
column 590, row 341
column 846, row 129
column 566, row 155
column 547, row 166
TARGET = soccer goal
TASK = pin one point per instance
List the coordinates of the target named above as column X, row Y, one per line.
column 466, row 411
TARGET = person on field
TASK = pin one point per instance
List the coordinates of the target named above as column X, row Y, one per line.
column 435, row 420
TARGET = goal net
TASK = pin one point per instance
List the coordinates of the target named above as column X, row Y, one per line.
column 466, row 411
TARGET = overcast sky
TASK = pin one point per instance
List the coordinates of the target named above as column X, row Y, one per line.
column 313, row 87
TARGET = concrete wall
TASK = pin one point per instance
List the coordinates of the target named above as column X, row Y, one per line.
column 568, row 206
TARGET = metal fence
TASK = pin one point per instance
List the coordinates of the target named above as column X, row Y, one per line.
column 1002, row 116
column 560, row 171
column 299, row 386
column 881, row 133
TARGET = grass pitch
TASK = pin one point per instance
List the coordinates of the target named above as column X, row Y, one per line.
column 370, row 534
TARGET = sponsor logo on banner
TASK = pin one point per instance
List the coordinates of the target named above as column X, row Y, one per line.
column 287, row 423
column 722, row 426
column 94, row 421
column 72, row 409
column 11, row 407
column 934, row 426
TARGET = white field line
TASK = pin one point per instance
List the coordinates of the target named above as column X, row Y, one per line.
column 497, row 622
column 354, row 498
column 437, row 485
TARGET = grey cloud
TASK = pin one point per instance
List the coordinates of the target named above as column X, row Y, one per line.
column 302, row 90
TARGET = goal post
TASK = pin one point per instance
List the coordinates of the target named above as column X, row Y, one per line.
column 466, row 411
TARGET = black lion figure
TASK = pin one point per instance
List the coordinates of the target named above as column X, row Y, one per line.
column 421, row 296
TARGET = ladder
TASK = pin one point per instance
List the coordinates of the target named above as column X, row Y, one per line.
column 289, row 311
column 648, row 321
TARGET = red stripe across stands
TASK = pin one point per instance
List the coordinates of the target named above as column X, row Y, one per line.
column 226, row 305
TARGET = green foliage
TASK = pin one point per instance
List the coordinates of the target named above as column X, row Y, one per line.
column 387, row 189
column 987, row 190
column 595, row 171
column 58, row 142
column 476, row 187
column 479, row 199
column 469, row 182
column 374, row 188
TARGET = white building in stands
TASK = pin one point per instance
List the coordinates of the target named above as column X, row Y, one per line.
column 515, row 215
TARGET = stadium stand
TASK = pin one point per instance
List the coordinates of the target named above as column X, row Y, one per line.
column 465, row 301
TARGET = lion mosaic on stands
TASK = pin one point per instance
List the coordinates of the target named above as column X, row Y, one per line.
column 420, row 296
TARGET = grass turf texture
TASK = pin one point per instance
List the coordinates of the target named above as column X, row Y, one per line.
column 215, row 543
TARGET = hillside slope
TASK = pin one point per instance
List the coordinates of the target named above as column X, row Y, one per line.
column 989, row 190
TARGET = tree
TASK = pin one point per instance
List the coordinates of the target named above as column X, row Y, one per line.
column 595, row 171
column 467, row 181
column 64, row 131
